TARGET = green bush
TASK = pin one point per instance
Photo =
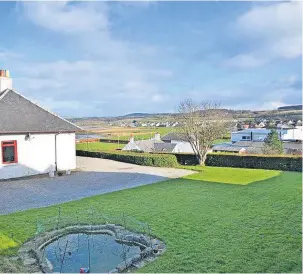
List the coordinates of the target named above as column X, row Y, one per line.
column 186, row 159
column 277, row 162
column 159, row 160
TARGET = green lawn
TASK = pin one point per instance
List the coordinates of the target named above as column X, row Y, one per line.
column 139, row 133
column 241, row 226
column 103, row 146
column 230, row 175
column 98, row 146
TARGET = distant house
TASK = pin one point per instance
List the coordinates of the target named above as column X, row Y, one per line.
column 245, row 126
column 259, row 135
column 260, row 125
column 142, row 145
column 33, row 140
column 158, row 144
column 228, row 147
column 251, row 147
column 183, row 146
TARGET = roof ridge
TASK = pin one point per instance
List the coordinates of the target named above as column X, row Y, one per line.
column 36, row 104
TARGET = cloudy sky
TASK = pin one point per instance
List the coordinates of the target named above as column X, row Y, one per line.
column 112, row 58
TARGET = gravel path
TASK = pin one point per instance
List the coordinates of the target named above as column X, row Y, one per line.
column 95, row 176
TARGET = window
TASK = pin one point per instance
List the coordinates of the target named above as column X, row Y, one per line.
column 245, row 137
column 9, row 152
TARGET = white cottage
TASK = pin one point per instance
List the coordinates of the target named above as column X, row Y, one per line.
column 181, row 143
column 170, row 143
column 33, row 140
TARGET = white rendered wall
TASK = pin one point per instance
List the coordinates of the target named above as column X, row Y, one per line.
column 34, row 157
column 66, row 151
column 37, row 155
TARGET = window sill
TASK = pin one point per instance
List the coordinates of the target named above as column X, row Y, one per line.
column 9, row 164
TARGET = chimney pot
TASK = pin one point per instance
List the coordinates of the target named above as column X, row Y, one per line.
column 157, row 137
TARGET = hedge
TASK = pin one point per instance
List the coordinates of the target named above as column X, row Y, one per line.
column 159, row 160
column 186, row 159
column 113, row 141
column 277, row 162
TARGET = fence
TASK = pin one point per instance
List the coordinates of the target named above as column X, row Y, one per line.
column 89, row 217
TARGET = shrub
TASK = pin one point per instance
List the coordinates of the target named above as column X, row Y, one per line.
column 277, row 162
column 186, row 159
column 272, row 143
column 159, row 160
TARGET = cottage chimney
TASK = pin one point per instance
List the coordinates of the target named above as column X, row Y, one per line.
column 131, row 139
column 157, row 137
column 5, row 80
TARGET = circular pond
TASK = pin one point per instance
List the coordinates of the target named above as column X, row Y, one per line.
column 96, row 252
column 93, row 248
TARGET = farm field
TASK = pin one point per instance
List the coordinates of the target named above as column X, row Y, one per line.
column 99, row 146
column 142, row 133
column 104, row 146
column 218, row 220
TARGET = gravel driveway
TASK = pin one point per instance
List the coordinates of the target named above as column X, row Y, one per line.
column 95, row 176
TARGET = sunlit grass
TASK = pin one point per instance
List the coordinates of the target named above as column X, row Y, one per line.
column 228, row 175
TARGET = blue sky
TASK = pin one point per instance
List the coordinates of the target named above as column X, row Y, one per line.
column 113, row 58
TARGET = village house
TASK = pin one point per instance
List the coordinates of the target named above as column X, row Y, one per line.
column 251, row 147
column 170, row 143
column 178, row 139
column 253, row 134
column 33, row 140
column 251, row 141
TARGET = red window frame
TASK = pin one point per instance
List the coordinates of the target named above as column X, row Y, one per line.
column 11, row 143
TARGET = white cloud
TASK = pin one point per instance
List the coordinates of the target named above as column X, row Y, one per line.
column 75, row 17
column 275, row 31
column 138, row 3
column 112, row 70
column 245, row 61
column 8, row 54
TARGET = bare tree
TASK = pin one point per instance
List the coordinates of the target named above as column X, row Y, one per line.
column 201, row 124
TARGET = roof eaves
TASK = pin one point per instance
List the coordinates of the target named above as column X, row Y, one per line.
column 36, row 132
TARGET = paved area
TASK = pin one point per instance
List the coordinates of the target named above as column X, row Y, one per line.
column 95, row 176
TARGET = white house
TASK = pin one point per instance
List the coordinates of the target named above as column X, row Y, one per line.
column 182, row 145
column 158, row 144
column 33, row 140
column 253, row 134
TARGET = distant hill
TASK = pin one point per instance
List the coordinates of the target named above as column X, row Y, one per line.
column 143, row 115
column 293, row 107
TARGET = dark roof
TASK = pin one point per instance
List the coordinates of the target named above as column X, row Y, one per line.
column 230, row 148
column 164, row 147
column 174, row 136
column 146, row 145
column 286, row 145
column 20, row 115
